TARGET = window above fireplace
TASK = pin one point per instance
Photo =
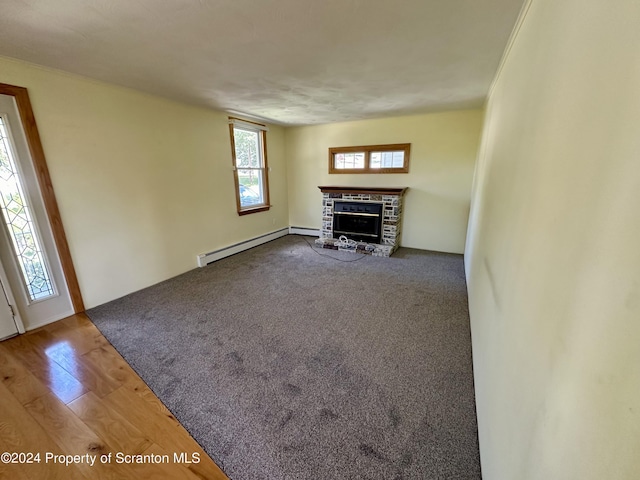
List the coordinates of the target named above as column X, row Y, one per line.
column 393, row 158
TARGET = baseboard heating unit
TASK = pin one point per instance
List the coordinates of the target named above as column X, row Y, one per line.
column 311, row 232
column 205, row 259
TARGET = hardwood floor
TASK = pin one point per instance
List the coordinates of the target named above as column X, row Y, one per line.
column 66, row 391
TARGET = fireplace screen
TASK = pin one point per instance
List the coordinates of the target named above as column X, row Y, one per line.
column 358, row 221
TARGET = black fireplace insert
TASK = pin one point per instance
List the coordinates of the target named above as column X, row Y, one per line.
column 358, row 221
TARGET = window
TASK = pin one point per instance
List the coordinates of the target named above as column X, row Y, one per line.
column 249, row 150
column 370, row 159
column 22, row 230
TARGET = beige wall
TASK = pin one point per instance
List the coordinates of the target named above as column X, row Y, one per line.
column 552, row 256
column 443, row 153
column 144, row 184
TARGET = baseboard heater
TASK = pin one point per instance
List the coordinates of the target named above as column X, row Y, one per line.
column 205, row 259
column 311, row 232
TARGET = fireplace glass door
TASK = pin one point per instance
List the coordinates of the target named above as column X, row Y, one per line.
column 358, row 221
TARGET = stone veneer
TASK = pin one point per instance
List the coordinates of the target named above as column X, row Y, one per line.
column 391, row 198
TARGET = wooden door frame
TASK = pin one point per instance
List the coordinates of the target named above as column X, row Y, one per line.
column 46, row 188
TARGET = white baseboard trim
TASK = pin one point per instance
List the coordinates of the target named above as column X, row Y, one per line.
column 205, row 259
column 312, row 232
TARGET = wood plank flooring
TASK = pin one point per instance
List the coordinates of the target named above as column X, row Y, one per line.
column 65, row 390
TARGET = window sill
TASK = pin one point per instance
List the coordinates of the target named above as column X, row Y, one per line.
column 259, row 208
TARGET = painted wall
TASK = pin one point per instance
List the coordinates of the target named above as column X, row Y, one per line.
column 443, row 154
column 552, row 256
column 144, row 184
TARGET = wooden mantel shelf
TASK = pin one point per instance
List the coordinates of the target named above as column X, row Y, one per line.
column 370, row 190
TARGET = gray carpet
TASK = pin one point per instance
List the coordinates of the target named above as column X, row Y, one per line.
column 286, row 364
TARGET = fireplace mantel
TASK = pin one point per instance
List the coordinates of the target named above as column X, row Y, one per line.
column 369, row 190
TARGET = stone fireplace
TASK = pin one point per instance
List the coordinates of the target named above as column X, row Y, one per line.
column 350, row 211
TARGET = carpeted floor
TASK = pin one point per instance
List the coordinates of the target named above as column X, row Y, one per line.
column 284, row 363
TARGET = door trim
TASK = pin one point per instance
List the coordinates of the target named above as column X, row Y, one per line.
column 46, row 188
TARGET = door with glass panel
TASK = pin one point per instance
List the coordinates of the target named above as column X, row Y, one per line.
column 33, row 274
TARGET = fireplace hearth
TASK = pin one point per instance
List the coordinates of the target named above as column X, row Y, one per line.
column 369, row 216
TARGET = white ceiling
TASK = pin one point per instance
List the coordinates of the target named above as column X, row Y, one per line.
column 288, row 61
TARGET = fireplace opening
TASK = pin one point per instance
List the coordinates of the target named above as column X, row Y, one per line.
column 358, row 221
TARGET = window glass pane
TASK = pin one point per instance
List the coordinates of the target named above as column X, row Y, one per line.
column 349, row 160
column 250, row 185
column 393, row 159
column 20, row 225
column 387, row 158
column 398, row 160
column 247, row 148
column 375, row 158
